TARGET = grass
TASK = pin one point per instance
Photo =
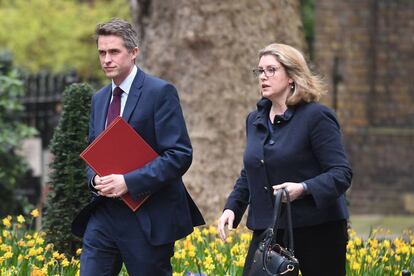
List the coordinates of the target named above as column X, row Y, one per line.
column 396, row 224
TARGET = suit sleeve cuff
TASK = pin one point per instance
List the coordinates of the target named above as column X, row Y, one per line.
column 305, row 188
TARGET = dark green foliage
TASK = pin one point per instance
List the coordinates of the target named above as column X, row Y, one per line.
column 308, row 18
column 12, row 132
column 56, row 35
column 68, row 187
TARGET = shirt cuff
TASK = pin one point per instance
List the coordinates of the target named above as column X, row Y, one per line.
column 92, row 187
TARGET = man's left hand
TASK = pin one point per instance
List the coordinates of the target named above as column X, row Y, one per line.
column 112, row 185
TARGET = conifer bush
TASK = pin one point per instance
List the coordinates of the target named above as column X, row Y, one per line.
column 68, row 190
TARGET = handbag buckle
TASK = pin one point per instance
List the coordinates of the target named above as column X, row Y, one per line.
column 289, row 268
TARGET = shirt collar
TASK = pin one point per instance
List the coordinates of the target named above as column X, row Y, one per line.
column 127, row 83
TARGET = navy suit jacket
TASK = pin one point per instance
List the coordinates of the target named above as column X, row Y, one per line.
column 305, row 147
column 153, row 110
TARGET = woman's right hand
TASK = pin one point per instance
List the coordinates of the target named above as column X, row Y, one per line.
column 226, row 218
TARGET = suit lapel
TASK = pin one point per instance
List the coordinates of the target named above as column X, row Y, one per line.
column 102, row 112
column 134, row 95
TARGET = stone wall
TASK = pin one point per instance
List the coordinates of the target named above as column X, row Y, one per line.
column 372, row 43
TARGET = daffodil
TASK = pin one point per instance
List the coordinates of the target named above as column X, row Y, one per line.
column 35, row 213
column 7, row 222
column 20, row 219
column 65, row 262
column 8, row 255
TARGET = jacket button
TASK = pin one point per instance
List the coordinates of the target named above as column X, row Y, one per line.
column 271, row 142
column 278, row 122
column 265, row 188
column 262, row 161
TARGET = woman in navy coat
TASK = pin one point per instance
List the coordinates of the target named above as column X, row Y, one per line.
column 293, row 142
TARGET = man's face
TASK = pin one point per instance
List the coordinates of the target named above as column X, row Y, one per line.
column 116, row 61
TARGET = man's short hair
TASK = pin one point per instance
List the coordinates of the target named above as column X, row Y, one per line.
column 120, row 28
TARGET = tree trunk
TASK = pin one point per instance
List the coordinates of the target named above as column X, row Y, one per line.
column 207, row 49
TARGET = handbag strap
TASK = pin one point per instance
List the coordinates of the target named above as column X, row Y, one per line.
column 276, row 216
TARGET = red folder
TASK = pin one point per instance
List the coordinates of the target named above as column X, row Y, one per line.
column 119, row 149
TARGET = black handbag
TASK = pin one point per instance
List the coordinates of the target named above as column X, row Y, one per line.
column 270, row 258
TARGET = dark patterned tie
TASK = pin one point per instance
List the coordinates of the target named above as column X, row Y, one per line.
column 114, row 109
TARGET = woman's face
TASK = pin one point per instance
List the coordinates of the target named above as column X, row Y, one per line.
column 273, row 82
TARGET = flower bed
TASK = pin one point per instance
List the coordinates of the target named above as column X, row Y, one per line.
column 24, row 252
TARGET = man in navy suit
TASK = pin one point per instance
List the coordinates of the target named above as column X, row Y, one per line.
column 112, row 233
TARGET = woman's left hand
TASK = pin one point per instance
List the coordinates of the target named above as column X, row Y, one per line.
column 294, row 189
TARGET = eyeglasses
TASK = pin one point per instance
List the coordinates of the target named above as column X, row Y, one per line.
column 268, row 71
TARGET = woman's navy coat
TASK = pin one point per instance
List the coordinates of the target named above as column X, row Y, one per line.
column 305, row 147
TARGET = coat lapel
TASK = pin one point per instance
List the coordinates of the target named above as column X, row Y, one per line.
column 263, row 106
column 134, row 95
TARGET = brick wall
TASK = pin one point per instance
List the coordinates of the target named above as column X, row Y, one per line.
column 373, row 43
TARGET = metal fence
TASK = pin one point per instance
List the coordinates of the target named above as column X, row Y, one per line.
column 42, row 101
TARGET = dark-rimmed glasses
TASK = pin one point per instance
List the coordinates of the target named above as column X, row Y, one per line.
column 268, row 71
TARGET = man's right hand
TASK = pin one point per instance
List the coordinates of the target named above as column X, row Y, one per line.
column 226, row 218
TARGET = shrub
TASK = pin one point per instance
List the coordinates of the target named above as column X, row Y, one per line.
column 13, row 131
column 68, row 187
